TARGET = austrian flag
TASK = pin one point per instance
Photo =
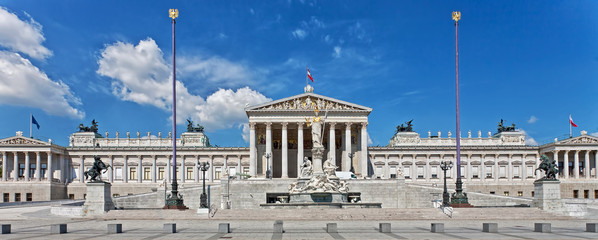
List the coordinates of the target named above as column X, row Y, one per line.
column 309, row 75
column 571, row 122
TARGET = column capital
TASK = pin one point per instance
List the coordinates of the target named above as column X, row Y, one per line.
column 284, row 125
column 483, row 155
column 348, row 125
column 364, row 124
column 252, row 125
column 268, row 125
column 332, row 124
column 300, row 125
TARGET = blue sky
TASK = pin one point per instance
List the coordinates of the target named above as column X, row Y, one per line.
column 67, row 62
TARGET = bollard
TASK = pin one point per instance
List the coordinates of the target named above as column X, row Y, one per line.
column 5, row 228
column 224, row 228
column 490, row 227
column 170, row 227
column 115, row 228
column 278, row 226
column 591, row 227
column 331, row 228
column 437, row 227
column 542, row 227
column 384, row 228
column 58, row 228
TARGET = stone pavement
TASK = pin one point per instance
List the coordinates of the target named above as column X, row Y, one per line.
column 34, row 223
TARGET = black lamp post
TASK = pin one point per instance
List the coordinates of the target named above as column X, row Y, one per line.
column 269, row 170
column 203, row 198
column 351, row 162
column 445, row 166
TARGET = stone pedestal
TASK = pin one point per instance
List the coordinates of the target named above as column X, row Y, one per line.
column 99, row 198
column 316, row 154
column 547, row 195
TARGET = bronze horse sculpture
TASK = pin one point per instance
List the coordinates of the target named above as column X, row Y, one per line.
column 96, row 170
column 549, row 167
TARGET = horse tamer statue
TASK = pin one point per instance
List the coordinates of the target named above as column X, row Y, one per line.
column 96, row 170
column 549, row 167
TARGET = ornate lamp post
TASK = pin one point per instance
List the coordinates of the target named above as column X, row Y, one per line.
column 445, row 166
column 350, row 155
column 269, row 170
column 203, row 198
column 174, row 200
column 459, row 198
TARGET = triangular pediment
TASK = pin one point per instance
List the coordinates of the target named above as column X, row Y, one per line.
column 308, row 102
column 584, row 139
column 20, row 140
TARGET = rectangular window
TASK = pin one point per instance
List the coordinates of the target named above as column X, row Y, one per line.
column 105, row 174
column 160, row 173
column 29, row 197
column 502, row 172
column 189, row 175
column 475, row 172
column 6, row 197
column 506, row 193
column 462, row 171
column 533, row 194
column 75, row 173
column 492, row 192
column 596, row 194
column 393, row 172
column 575, row 193
column 516, row 172
column 420, row 172
column 147, row 173
column 43, row 170
column 31, row 170
column 72, row 196
column 118, row 173
column 434, row 172
column 586, row 193
column 529, row 171
column 520, row 194
column 217, row 171
column 132, row 173
column 246, row 170
column 232, row 171
column 407, row 172
column 21, row 169
column 378, row 171
column 17, row 197
column 488, row 171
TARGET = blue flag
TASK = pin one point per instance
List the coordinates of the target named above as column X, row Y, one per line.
column 33, row 121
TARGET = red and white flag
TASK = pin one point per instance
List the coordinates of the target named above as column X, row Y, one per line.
column 309, row 75
column 571, row 121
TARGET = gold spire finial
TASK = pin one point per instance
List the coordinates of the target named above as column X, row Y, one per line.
column 173, row 13
column 456, row 16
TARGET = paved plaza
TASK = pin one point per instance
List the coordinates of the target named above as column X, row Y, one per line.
column 34, row 222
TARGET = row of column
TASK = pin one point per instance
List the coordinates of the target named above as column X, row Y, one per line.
column 38, row 163
column 154, row 169
column 576, row 163
column 346, row 161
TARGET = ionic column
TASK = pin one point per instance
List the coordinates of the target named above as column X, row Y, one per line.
column 196, row 169
column 468, row 171
column 252, row 151
column 183, row 171
column 566, row 164
column 4, row 165
column 332, row 143
column 139, row 169
column 81, row 169
column 347, row 163
column 111, row 170
column 26, row 175
column 268, row 147
column 555, row 156
column 50, row 168
column 211, row 172
column 154, row 168
column 239, row 164
column 225, row 167
column 15, row 166
column 483, row 166
column 126, row 169
column 586, row 165
column 300, row 149
column 427, row 173
column 168, row 169
column 285, row 151
column 576, row 164
column 364, row 149
column 38, row 166
column 386, row 169
column 496, row 170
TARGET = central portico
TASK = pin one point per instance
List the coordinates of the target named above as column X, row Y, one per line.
column 279, row 129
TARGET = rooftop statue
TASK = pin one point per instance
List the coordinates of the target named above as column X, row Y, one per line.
column 96, row 170
column 93, row 128
column 191, row 128
column 502, row 128
column 549, row 167
column 408, row 128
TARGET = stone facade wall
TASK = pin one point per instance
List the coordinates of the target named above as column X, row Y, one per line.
column 39, row 191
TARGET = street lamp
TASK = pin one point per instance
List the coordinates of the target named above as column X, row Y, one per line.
column 269, row 170
column 350, row 155
column 203, row 199
column 445, row 166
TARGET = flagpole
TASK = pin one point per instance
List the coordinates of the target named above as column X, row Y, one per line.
column 570, row 135
column 30, row 123
column 306, row 82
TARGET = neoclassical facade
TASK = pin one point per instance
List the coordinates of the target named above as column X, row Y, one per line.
column 280, row 137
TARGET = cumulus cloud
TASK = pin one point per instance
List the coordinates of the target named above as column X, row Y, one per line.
column 22, row 84
column 594, row 134
column 529, row 140
column 22, row 36
column 214, row 70
column 140, row 74
column 337, row 52
column 532, row 119
column 299, row 34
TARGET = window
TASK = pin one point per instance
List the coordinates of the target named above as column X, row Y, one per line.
column 189, row 174
column 132, row 173
column 378, row 171
column 217, row 171
column 492, row 192
column 75, row 173
column 29, row 197
column 533, row 194
column 246, row 170
column 407, row 172
column 434, row 172
column 516, row 172
column 393, row 172
column 6, row 197
column 463, row 171
column 502, row 172
column 17, row 197
column 104, row 175
column 118, row 173
column 506, row 193
column 72, row 196
column 160, row 173
column 420, row 172
column 21, row 169
column 474, row 172
column 575, row 193
column 586, row 193
column 147, row 173
column 43, row 170
column 529, row 171
column 488, row 171
column 595, row 193
column 520, row 194
column 31, row 170
column 232, row 171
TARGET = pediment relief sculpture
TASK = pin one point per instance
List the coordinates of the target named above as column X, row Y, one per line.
column 580, row 140
column 308, row 103
column 21, row 141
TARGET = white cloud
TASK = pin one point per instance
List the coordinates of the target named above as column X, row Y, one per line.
column 337, row 52
column 299, row 33
column 532, row 119
column 22, row 36
column 594, row 134
column 327, row 39
column 245, row 131
column 528, row 139
column 140, row 74
column 215, row 70
column 23, row 84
